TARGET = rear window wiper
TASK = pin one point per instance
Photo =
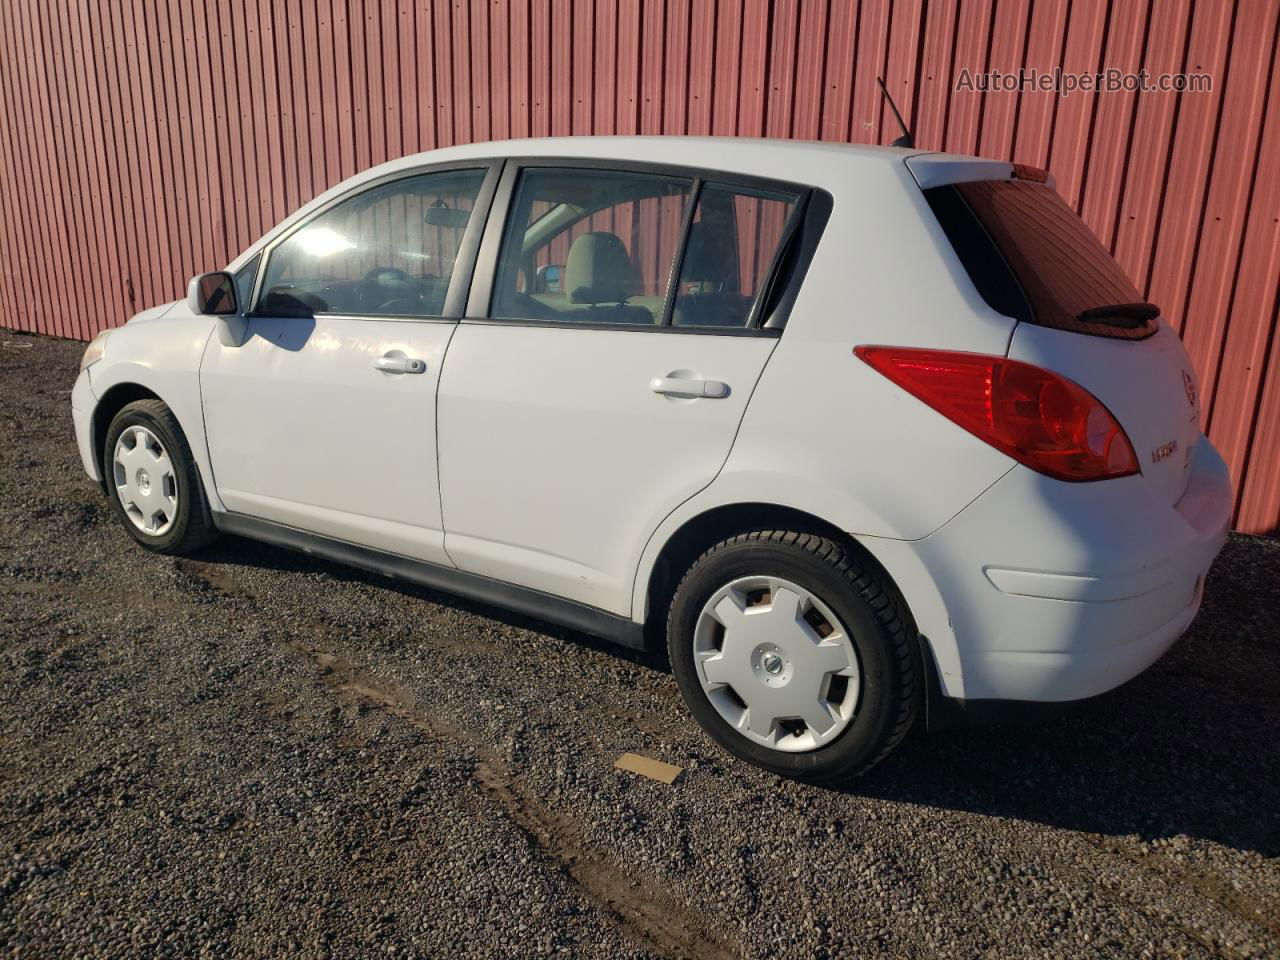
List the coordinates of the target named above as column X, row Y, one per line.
column 1128, row 315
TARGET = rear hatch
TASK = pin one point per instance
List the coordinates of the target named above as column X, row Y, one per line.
column 1033, row 259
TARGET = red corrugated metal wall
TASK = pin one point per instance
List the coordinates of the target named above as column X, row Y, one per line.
column 142, row 142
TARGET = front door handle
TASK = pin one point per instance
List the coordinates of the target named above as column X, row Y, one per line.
column 689, row 387
column 396, row 362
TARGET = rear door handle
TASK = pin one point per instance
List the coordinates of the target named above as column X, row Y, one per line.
column 689, row 387
column 401, row 364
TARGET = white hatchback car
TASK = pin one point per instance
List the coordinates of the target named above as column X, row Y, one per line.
column 856, row 433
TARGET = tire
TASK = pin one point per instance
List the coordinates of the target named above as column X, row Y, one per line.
column 187, row 525
column 881, row 642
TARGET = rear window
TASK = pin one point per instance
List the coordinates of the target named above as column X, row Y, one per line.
column 1033, row 259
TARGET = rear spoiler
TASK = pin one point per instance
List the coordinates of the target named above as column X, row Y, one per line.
column 939, row 169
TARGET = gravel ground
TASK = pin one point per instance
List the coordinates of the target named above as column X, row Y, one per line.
column 253, row 753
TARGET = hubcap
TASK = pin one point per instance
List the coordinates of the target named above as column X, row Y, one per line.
column 145, row 480
column 776, row 664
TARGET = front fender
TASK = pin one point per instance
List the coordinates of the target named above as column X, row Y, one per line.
column 163, row 356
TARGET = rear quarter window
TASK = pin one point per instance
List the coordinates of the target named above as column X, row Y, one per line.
column 1033, row 259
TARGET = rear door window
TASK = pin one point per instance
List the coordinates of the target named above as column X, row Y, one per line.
column 736, row 236
column 590, row 246
column 1032, row 258
column 600, row 247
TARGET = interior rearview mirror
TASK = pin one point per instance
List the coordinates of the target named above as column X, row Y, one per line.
column 213, row 294
column 447, row 217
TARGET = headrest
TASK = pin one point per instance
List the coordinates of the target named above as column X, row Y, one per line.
column 598, row 270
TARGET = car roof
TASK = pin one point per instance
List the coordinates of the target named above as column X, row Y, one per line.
column 759, row 157
column 812, row 163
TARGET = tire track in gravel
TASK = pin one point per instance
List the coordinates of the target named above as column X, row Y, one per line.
column 643, row 909
column 1189, row 933
column 1235, row 902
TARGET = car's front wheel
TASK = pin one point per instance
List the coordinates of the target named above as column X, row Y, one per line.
column 153, row 482
column 794, row 655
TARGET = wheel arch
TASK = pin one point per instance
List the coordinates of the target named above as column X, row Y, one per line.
column 109, row 404
column 657, row 583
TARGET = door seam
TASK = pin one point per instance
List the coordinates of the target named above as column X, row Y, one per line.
column 444, row 528
column 719, row 470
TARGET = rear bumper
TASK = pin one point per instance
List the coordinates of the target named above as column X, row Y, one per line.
column 1053, row 649
column 83, row 402
column 945, row 713
column 1062, row 674
column 1049, row 592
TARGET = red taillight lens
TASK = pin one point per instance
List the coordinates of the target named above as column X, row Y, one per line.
column 1035, row 416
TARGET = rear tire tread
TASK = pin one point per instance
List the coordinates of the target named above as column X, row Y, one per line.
column 898, row 627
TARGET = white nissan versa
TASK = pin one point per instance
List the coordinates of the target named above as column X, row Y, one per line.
column 857, row 433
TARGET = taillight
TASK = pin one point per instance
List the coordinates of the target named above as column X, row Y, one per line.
column 1045, row 421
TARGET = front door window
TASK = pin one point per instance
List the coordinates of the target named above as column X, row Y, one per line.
column 388, row 251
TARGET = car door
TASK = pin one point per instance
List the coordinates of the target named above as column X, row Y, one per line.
column 322, row 416
column 586, row 394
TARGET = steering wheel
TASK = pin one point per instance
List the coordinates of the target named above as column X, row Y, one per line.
column 379, row 274
column 390, row 290
column 407, row 305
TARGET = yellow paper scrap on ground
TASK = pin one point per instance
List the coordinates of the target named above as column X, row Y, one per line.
column 648, row 767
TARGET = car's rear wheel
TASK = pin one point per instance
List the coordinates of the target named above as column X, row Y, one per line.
column 794, row 655
column 152, row 480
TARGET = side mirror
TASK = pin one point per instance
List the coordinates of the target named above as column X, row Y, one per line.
column 213, row 294
column 550, row 279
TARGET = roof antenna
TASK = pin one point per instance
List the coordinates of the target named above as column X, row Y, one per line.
column 906, row 139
